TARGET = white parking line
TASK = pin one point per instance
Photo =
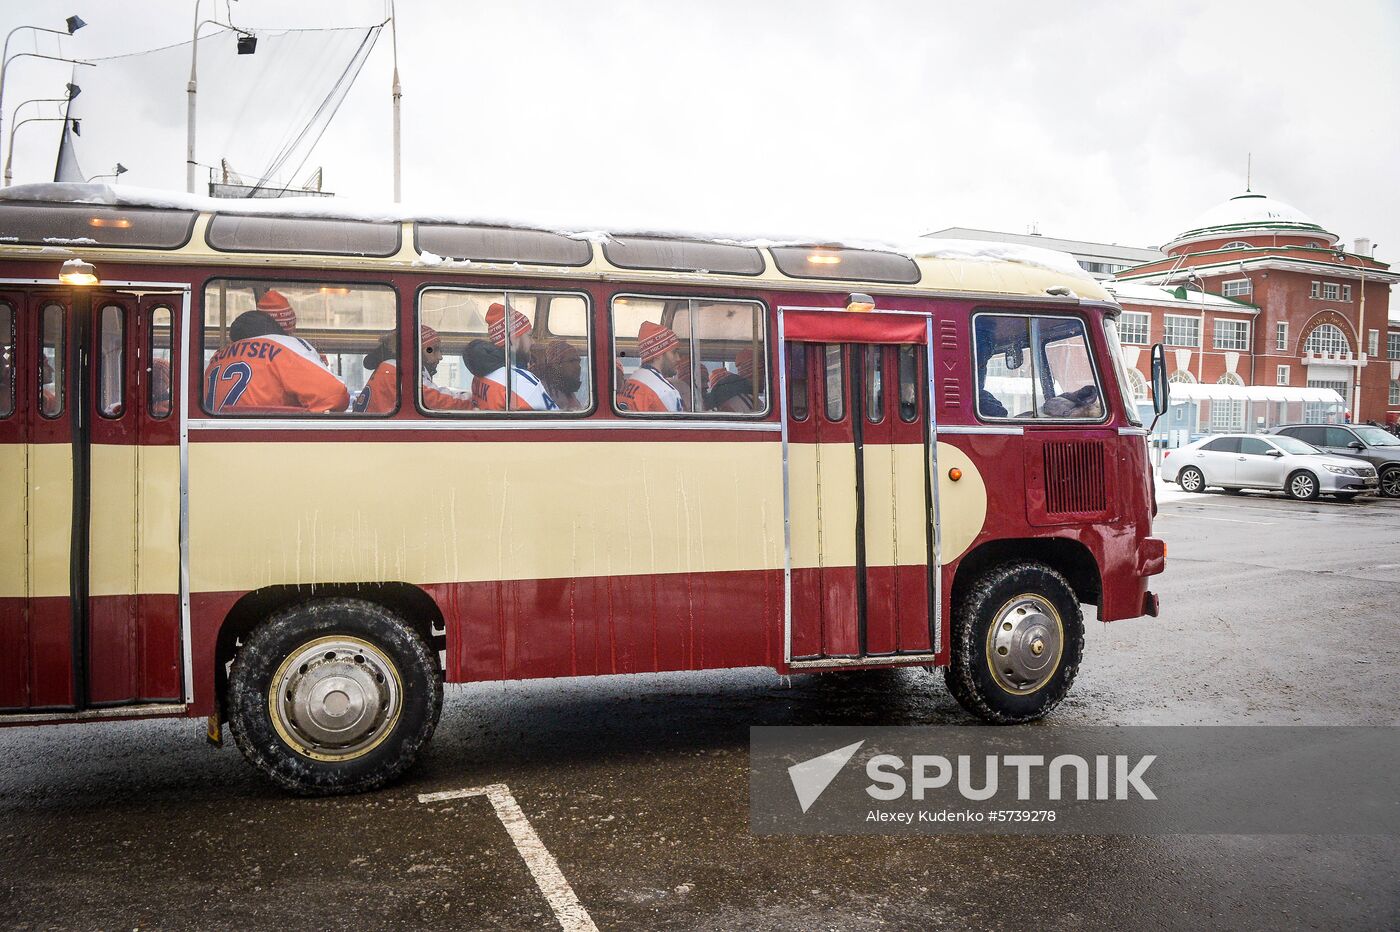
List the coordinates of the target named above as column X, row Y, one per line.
column 567, row 909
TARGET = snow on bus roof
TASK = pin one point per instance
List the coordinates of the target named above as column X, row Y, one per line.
column 326, row 208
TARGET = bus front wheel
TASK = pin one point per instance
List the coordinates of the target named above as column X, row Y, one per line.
column 1018, row 636
column 333, row 696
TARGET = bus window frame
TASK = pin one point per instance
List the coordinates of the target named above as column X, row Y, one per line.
column 197, row 321
column 223, row 251
column 1028, row 314
column 603, row 248
column 476, row 414
column 592, row 253
column 662, row 417
column 150, row 365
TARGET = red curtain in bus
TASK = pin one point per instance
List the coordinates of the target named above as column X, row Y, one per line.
column 841, row 326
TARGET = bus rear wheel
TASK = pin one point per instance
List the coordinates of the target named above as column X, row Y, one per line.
column 333, row 696
column 1018, row 637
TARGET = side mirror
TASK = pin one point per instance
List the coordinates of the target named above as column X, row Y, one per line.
column 1161, row 388
column 1357, row 445
column 1274, row 453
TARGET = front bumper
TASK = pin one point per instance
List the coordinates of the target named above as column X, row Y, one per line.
column 1332, row 482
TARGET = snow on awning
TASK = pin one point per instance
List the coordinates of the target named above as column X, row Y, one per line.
column 1186, row 391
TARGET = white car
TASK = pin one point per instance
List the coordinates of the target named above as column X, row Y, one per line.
column 1258, row 461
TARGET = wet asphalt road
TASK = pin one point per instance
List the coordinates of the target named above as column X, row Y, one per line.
column 1274, row 612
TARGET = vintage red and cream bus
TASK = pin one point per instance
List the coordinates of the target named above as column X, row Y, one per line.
column 534, row 452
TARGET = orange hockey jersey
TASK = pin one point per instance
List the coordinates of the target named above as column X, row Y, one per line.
column 277, row 372
column 380, row 393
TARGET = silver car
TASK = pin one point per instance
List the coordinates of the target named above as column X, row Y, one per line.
column 1255, row 461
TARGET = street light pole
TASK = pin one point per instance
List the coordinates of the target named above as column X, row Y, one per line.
column 398, row 94
column 73, row 91
column 73, row 24
column 14, row 131
column 193, row 87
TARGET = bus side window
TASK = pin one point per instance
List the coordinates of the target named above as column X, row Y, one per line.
column 295, row 348
column 158, row 385
column 506, row 352
column 7, row 360
column 835, row 383
column 52, row 360
column 874, row 383
column 1031, row 367
column 797, row 381
column 679, row 356
column 111, row 358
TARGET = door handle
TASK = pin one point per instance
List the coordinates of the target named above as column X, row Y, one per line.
column 1240, row 458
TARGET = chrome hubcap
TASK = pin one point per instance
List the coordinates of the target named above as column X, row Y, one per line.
column 335, row 697
column 1025, row 643
column 1191, row 480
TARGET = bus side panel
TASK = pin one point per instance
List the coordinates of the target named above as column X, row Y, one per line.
column 134, row 641
column 525, row 629
column 36, row 658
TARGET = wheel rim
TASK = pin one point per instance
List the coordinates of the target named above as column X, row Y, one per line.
column 1191, row 480
column 1024, row 644
column 1390, row 483
column 335, row 698
column 1302, row 486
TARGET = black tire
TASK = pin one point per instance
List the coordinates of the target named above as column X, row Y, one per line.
column 1191, row 479
column 969, row 676
column 1390, row 482
column 1346, row 496
column 1232, row 491
column 1302, row 486
column 380, row 642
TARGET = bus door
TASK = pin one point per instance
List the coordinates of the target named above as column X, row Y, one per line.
column 89, row 554
column 861, row 512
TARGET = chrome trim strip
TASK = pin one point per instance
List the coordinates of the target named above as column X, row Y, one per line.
column 980, row 429
column 310, row 423
column 153, row 286
column 1133, row 432
column 936, row 557
column 787, row 493
column 187, row 641
column 877, row 660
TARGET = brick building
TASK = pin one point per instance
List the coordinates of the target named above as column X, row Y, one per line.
column 1255, row 293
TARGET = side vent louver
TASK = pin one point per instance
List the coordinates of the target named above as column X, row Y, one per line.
column 1074, row 477
column 948, row 344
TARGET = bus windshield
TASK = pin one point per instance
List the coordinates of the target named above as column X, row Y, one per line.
column 1115, row 352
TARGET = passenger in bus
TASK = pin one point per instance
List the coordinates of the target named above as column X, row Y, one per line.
column 262, row 367
column 380, row 394
column 734, row 391
column 684, row 369
column 275, row 304
column 560, row 368
column 489, row 385
column 160, row 387
column 649, row 388
column 1082, row 402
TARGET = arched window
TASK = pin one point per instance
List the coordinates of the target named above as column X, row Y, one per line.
column 1182, row 377
column 1227, row 414
column 1137, row 384
column 1237, row 244
column 1327, row 338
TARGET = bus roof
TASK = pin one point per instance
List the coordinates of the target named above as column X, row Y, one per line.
column 621, row 250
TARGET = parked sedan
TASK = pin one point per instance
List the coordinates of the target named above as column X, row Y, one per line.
column 1375, row 446
column 1254, row 461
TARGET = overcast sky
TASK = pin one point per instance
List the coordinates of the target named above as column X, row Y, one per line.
column 1105, row 121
